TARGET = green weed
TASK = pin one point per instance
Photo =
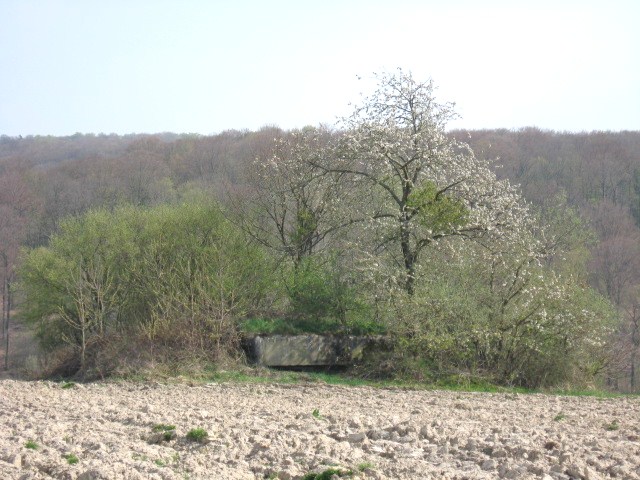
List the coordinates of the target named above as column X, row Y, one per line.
column 161, row 427
column 71, row 458
column 31, row 445
column 612, row 426
column 199, row 435
column 169, row 431
column 327, row 474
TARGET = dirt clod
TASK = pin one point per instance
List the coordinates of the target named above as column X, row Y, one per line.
column 267, row 431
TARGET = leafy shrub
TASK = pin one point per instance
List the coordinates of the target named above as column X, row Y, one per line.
column 320, row 288
column 511, row 322
column 180, row 275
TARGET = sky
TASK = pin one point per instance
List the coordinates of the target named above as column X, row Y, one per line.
column 190, row 66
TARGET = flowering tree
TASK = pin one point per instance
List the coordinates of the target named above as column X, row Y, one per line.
column 421, row 185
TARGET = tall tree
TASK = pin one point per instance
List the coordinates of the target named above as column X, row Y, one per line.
column 419, row 184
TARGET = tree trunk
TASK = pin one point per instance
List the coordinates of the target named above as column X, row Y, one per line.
column 83, row 349
column 409, row 257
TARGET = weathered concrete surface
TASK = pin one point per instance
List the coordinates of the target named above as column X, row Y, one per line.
column 307, row 350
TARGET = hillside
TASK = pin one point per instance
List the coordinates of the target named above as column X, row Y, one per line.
column 597, row 174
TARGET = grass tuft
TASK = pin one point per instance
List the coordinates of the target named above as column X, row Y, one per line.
column 31, row 445
column 71, row 458
column 199, row 435
column 613, row 426
column 161, row 427
column 327, row 474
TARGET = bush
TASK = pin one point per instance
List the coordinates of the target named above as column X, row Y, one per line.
column 512, row 327
column 324, row 289
column 178, row 276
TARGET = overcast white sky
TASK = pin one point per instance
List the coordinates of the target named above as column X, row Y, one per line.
column 136, row 66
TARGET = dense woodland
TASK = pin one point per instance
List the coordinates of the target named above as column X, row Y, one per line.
column 78, row 193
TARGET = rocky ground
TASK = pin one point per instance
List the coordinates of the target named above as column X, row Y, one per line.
column 280, row 431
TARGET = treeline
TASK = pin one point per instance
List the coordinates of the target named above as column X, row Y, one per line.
column 466, row 277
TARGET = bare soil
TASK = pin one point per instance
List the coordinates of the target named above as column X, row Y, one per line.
column 280, row 431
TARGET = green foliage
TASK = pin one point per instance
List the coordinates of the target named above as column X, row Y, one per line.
column 359, row 325
column 436, row 210
column 306, row 226
column 310, row 292
column 327, row 474
column 289, row 326
column 320, row 288
column 31, row 445
column 613, row 426
column 178, row 274
column 198, row 435
column 316, row 414
column 67, row 385
column 71, row 458
column 161, row 427
column 559, row 417
column 326, row 295
column 388, row 226
column 512, row 322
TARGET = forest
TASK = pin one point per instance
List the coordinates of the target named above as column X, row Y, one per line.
column 507, row 255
